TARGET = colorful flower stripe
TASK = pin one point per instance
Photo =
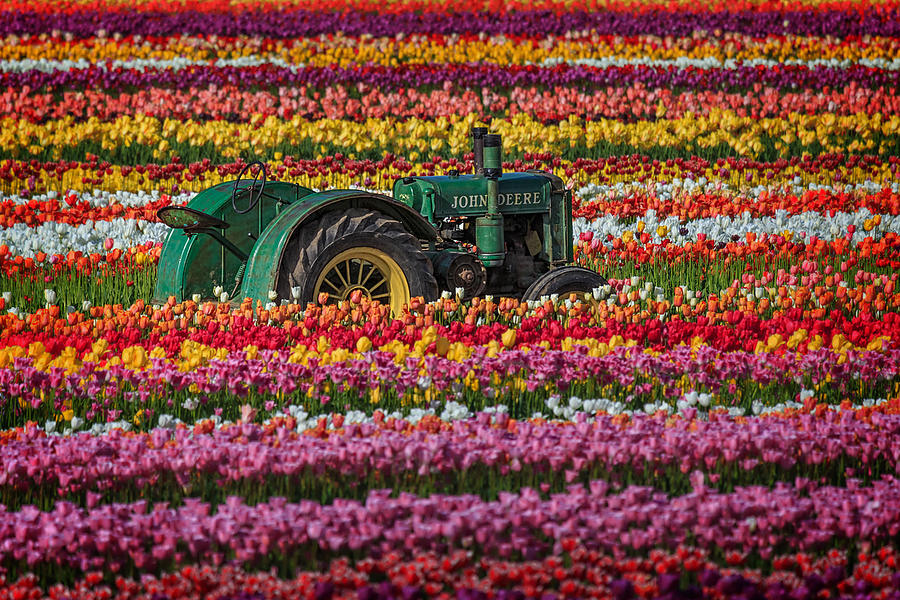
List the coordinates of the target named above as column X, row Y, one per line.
column 293, row 23
column 258, row 462
column 442, row 6
column 235, row 104
column 868, row 575
column 58, row 233
column 789, row 311
column 620, row 173
column 269, row 137
column 725, row 229
column 343, row 51
column 463, row 75
column 51, row 384
column 593, row 202
column 590, row 203
column 801, row 517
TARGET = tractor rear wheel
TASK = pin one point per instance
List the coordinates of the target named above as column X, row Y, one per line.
column 357, row 250
column 564, row 281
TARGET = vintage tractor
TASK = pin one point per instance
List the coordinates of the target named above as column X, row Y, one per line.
column 506, row 234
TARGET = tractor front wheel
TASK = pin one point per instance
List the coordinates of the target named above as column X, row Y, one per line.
column 564, row 281
column 356, row 251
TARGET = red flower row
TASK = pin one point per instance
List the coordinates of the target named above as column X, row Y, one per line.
column 583, row 573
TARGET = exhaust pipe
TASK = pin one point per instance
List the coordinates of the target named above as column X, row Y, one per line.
column 493, row 170
column 489, row 227
column 478, row 134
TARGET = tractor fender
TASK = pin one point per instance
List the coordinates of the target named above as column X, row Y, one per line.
column 261, row 273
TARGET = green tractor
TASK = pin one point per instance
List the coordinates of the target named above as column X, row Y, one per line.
column 506, row 234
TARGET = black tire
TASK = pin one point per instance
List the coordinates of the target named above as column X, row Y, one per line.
column 353, row 232
column 563, row 281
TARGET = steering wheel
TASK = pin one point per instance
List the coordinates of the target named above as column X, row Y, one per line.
column 254, row 190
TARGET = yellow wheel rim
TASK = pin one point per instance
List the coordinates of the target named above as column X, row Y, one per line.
column 369, row 270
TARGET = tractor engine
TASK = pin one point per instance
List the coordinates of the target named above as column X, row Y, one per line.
column 497, row 231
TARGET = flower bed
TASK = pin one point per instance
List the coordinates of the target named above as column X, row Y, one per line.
column 720, row 421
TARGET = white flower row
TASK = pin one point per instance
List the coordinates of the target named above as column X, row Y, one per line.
column 714, row 62
column 723, row 228
column 90, row 237
column 667, row 190
column 93, row 236
column 100, row 236
column 573, row 409
column 140, row 64
column 175, row 64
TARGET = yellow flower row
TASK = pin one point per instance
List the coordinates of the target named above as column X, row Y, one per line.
column 344, row 51
column 194, row 355
column 421, row 138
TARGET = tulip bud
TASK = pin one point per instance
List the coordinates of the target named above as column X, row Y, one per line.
column 50, row 426
column 295, row 292
column 460, row 292
column 50, row 296
column 554, row 298
column 273, row 295
column 196, row 298
column 217, row 291
column 85, row 306
column 270, row 305
column 446, row 295
column 223, row 297
column 7, row 297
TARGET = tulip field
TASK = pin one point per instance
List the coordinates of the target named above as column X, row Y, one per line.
column 722, row 420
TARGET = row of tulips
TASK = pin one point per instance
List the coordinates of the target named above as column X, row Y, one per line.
column 686, row 572
column 461, row 57
column 843, row 172
column 860, row 306
column 754, row 524
column 339, row 49
column 30, row 236
column 589, row 203
column 470, row 456
column 442, row 6
column 141, row 138
column 273, row 75
column 233, row 103
column 203, row 380
column 760, row 20
column 760, row 276
column 593, row 202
